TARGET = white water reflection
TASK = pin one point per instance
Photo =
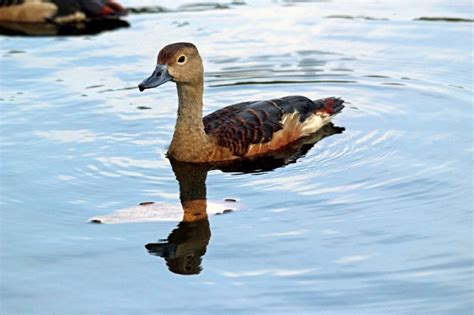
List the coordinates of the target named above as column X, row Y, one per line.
column 266, row 272
column 349, row 260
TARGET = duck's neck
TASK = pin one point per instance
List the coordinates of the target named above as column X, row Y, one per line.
column 189, row 140
column 190, row 108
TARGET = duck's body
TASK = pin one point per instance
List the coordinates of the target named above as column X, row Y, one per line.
column 255, row 128
column 57, row 11
column 237, row 131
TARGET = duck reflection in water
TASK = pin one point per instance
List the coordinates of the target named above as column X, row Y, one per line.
column 185, row 246
column 187, row 243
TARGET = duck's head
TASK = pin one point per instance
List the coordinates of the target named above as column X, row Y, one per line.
column 178, row 62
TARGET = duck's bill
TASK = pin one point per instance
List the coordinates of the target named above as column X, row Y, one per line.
column 157, row 78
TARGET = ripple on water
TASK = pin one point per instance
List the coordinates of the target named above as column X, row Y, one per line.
column 376, row 217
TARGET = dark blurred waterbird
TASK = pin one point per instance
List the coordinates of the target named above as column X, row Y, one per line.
column 57, row 11
column 237, row 131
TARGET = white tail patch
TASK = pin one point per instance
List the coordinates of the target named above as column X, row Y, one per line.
column 314, row 122
column 293, row 129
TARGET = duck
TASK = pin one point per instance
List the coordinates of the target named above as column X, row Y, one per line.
column 240, row 131
column 57, row 11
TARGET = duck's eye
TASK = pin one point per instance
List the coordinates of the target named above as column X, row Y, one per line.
column 182, row 59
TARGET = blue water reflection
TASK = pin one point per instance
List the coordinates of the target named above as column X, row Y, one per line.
column 376, row 220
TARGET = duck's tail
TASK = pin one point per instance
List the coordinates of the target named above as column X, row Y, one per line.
column 331, row 105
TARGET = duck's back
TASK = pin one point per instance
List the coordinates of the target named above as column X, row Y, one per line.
column 253, row 128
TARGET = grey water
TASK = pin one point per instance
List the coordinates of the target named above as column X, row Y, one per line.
column 377, row 219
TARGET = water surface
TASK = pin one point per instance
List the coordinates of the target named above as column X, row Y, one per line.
column 374, row 220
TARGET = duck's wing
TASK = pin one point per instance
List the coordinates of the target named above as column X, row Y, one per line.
column 240, row 126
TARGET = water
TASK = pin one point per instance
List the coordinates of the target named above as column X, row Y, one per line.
column 374, row 220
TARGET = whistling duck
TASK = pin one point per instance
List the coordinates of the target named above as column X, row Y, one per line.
column 57, row 11
column 237, row 131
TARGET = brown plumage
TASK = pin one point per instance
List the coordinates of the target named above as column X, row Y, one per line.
column 241, row 127
column 236, row 131
column 165, row 56
column 57, row 11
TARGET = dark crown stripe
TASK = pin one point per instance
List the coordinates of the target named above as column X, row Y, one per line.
column 170, row 50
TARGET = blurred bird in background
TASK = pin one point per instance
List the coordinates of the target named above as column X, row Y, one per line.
column 58, row 11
